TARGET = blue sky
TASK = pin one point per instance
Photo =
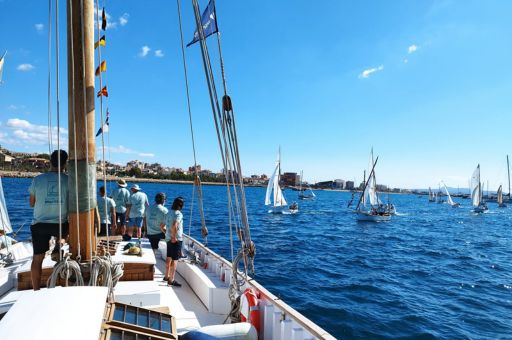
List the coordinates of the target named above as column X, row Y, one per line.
column 426, row 83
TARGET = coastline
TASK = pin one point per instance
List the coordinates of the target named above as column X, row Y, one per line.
column 20, row 174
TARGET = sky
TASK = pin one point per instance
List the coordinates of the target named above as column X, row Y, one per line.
column 427, row 84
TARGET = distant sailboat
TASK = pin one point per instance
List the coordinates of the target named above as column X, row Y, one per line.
column 476, row 192
column 439, row 195
column 499, row 199
column 275, row 197
column 450, row 200
column 2, row 66
column 431, row 196
column 305, row 194
column 376, row 211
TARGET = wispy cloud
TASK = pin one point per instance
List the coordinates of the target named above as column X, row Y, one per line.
column 39, row 27
column 22, row 132
column 159, row 53
column 366, row 73
column 413, row 48
column 123, row 20
column 110, row 23
column 144, row 51
column 25, row 67
column 124, row 150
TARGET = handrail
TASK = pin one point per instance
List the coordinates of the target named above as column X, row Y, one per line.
column 303, row 321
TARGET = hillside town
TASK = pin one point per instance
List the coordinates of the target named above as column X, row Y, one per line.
column 23, row 163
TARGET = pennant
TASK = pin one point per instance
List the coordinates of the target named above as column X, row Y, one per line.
column 103, row 20
column 101, row 68
column 209, row 23
column 104, row 128
column 101, row 42
column 103, row 92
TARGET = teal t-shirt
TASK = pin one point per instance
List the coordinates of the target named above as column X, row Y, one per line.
column 122, row 197
column 155, row 216
column 101, row 209
column 139, row 201
column 45, row 188
column 174, row 215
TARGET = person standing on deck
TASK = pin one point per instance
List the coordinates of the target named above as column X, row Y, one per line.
column 135, row 212
column 107, row 218
column 121, row 196
column 155, row 220
column 50, row 211
column 174, row 238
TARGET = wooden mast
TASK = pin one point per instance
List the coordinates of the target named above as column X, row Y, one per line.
column 82, row 150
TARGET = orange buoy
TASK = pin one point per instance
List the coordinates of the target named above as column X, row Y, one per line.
column 249, row 309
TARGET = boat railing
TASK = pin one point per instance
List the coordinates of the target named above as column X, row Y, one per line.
column 287, row 311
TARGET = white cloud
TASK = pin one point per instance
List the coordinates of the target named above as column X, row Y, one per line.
column 366, row 73
column 406, row 61
column 159, row 53
column 412, row 49
column 144, row 51
column 110, row 24
column 21, row 132
column 39, row 27
column 123, row 20
column 25, row 67
column 124, row 150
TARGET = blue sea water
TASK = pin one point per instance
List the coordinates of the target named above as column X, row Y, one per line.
column 431, row 272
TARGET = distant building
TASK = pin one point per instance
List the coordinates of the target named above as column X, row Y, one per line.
column 6, row 160
column 339, row 184
column 325, row 185
column 349, row 185
column 290, row 179
column 194, row 168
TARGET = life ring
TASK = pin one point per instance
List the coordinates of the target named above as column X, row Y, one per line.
column 249, row 309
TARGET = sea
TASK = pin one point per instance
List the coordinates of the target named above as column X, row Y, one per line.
column 431, row 272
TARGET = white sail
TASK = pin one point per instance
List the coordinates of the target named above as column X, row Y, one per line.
column 1, row 67
column 274, row 195
column 500, row 195
column 5, row 223
column 311, row 190
column 475, row 187
column 450, row 201
column 372, row 192
column 430, row 195
column 270, row 185
column 279, row 200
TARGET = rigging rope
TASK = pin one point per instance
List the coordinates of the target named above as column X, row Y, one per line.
column 65, row 269
column 59, row 184
column 197, row 180
column 50, row 137
column 103, row 172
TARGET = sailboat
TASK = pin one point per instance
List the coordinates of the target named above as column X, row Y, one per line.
column 305, row 194
column 431, row 195
column 125, row 298
column 499, row 198
column 274, row 196
column 439, row 196
column 479, row 205
column 2, row 59
column 369, row 208
column 450, row 200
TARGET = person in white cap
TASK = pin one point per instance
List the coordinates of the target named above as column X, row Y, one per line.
column 121, row 197
column 135, row 212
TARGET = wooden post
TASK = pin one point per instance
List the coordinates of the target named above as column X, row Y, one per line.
column 82, row 174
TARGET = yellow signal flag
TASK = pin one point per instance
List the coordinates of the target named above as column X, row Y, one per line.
column 101, row 68
column 102, row 42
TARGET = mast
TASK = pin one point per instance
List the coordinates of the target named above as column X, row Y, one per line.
column 82, row 148
column 508, row 173
column 366, row 184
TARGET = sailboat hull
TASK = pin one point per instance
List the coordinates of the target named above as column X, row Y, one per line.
column 482, row 208
column 369, row 217
column 282, row 211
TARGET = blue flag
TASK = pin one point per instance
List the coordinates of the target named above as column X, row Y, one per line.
column 209, row 22
column 104, row 128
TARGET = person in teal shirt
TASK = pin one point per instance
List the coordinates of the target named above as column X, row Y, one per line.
column 49, row 198
column 121, row 196
column 174, row 238
column 135, row 212
column 105, row 216
column 155, row 220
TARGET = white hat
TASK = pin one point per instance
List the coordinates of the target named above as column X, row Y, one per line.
column 122, row 183
column 135, row 187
